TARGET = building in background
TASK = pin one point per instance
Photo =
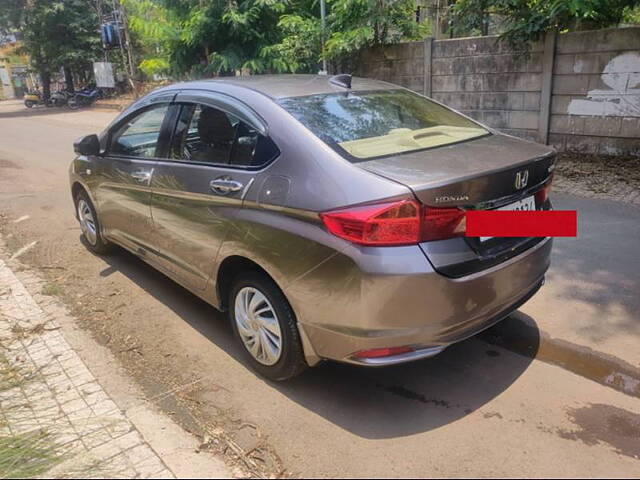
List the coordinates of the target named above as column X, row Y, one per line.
column 15, row 79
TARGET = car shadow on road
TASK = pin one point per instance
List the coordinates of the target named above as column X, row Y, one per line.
column 375, row 403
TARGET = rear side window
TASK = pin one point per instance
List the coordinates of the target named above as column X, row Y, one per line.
column 204, row 134
column 366, row 125
column 138, row 137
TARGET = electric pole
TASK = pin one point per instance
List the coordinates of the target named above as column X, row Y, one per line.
column 125, row 43
column 324, row 26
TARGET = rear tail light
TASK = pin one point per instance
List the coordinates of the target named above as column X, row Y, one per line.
column 396, row 223
column 405, row 222
column 383, row 352
column 542, row 195
column 442, row 223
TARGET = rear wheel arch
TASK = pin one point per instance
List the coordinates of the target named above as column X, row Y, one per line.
column 238, row 274
column 229, row 269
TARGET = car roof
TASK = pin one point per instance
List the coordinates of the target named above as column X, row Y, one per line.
column 294, row 85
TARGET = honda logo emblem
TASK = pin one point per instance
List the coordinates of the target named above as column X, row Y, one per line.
column 522, row 178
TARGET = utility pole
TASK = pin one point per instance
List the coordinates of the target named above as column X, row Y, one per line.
column 324, row 26
column 125, row 44
column 100, row 19
column 127, row 39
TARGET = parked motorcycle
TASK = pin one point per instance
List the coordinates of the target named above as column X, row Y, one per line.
column 61, row 98
column 84, row 97
column 33, row 98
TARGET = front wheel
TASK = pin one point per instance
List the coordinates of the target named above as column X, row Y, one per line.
column 73, row 103
column 29, row 103
column 89, row 224
column 266, row 326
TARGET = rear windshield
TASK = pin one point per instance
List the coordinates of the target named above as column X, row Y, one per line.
column 373, row 124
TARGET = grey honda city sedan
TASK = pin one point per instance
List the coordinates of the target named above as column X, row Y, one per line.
column 325, row 214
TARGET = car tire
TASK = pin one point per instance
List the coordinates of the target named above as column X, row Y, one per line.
column 90, row 225
column 290, row 361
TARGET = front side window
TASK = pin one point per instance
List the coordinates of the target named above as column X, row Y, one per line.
column 209, row 135
column 372, row 124
column 139, row 136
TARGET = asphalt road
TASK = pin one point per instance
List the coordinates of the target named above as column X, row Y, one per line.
column 475, row 410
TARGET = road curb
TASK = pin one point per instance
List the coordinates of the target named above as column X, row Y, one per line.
column 520, row 334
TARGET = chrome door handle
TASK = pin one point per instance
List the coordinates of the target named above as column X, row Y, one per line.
column 142, row 176
column 225, row 185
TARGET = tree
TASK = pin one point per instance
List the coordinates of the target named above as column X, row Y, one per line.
column 196, row 37
column 76, row 37
column 355, row 24
column 525, row 20
column 201, row 37
column 56, row 34
column 154, row 29
column 351, row 26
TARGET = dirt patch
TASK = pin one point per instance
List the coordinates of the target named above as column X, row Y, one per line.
column 8, row 164
column 609, row 178
column 599, row 423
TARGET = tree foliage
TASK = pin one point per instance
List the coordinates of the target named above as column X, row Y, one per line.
column 526, row 20
column 187, row 37
column 56, row 33
column 196, row 37
column 631, row 15
column 351, row 26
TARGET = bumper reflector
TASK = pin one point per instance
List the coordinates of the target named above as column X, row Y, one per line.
column 383, row 352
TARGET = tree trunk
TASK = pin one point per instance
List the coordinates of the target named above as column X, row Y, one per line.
column 68, row 78
column 45, row 77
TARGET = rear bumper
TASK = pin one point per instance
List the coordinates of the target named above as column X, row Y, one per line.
column 468, row 330
column 365, row 299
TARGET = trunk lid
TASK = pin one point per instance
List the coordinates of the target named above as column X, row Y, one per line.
column 479, row 173
column 485, row 173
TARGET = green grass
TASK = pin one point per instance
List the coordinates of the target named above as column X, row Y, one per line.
column 52, row 289
column 27, row 455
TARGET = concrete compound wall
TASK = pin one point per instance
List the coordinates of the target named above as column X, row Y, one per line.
column 577, row 91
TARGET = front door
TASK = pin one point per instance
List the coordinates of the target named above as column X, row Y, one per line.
column 124, row 174
column 197, row 194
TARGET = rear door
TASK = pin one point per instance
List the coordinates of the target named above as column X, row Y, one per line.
column 215, row 154
column 124, row 174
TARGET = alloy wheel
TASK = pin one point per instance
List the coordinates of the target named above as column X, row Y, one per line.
column 258, row 325
column 87, row 222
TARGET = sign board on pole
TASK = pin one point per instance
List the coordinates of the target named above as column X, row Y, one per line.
column 103, row 72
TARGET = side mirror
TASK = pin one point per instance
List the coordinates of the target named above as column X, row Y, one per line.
column 87, row 145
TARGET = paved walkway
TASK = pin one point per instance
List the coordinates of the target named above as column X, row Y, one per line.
column 54, row 394
column 52, row 404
